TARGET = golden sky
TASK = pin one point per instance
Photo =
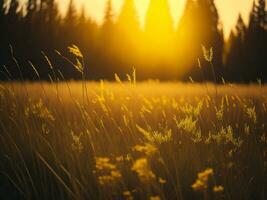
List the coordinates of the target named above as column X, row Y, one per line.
column 228, row 9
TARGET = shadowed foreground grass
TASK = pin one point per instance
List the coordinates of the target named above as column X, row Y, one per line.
column 132, row 141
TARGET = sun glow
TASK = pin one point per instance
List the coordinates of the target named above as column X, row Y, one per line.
column 159, row 33
column 228, row 9
column 171, row 36
column 96, row 8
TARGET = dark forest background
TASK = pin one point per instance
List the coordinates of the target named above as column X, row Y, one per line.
column 157, row 51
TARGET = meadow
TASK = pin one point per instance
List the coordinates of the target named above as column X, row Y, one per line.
column 131, row 140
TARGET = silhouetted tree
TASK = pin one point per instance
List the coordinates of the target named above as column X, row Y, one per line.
column 127, row 34
column 128, row 20
column 30, row 35
column 158, row 38
column 235, row 64
column 108, row 25
column 86, row 39
column 106, row 53
column 262, row 19
column 199, row 26
column 158, row 25
column 70, row 22
column 2, row 33
column 2, row 12
column 256, row 41
column 2, row 7
column 246, row 57
column 120, row 44
column 13, row 15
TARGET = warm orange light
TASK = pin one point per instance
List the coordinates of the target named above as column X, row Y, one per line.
column 159, row 27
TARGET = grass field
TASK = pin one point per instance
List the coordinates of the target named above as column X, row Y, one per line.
column 145, row 140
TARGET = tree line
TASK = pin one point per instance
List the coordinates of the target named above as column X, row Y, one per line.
column 30, row 34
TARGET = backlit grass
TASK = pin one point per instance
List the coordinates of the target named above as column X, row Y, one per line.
column 131, row 140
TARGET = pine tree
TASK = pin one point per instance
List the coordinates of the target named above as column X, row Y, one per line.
column 30, row 21
column 53, row 22
column 2, row 7
column 53, row 13
column 256, row 40
column 13, row 17
column 253, row 17
column 127, row 34
column 235, row 65
column 260, row 41
column 2, row 33
column 70, row 24
column 31, row 8
column 71, row 15
column 108, row 18
column 86, row 31
column 158, row 23
column 240, row 28
column 261, row 14
column 2, row 13
column 199, row 26
column 108, row 25
column 106, row 44
column 128, row 19
column 82, row 18
column 158, row 41
column 13, row 8
column 216, row 40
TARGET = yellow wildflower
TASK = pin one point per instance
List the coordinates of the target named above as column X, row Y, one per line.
column 208, row 54
column 117, row 78
column 75, row 51
column 251, row 112
column 39, row 110
column 128, row 195
column 108, row 172
column 155, row 198
column 162, row 181
column 218, row 188
column 142, row 168
column 76, row 142
column 119, row 158
column 155, row 136
column 148, row 149
column 199, row 185
column 104, row 163
column 202, row 181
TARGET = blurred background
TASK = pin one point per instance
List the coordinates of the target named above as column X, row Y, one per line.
column 161, row 39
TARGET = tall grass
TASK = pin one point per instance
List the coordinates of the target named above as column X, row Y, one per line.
column 131, row 140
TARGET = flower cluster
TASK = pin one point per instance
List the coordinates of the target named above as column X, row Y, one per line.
column 143, row 170
column 108, row 172
column 202, row 180
column 155, row 136
column 76, row 145
column 218, row 188
column 147, row 149
column 39, row 110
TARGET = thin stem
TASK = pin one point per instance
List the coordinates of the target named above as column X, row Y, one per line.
column 215, row 81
